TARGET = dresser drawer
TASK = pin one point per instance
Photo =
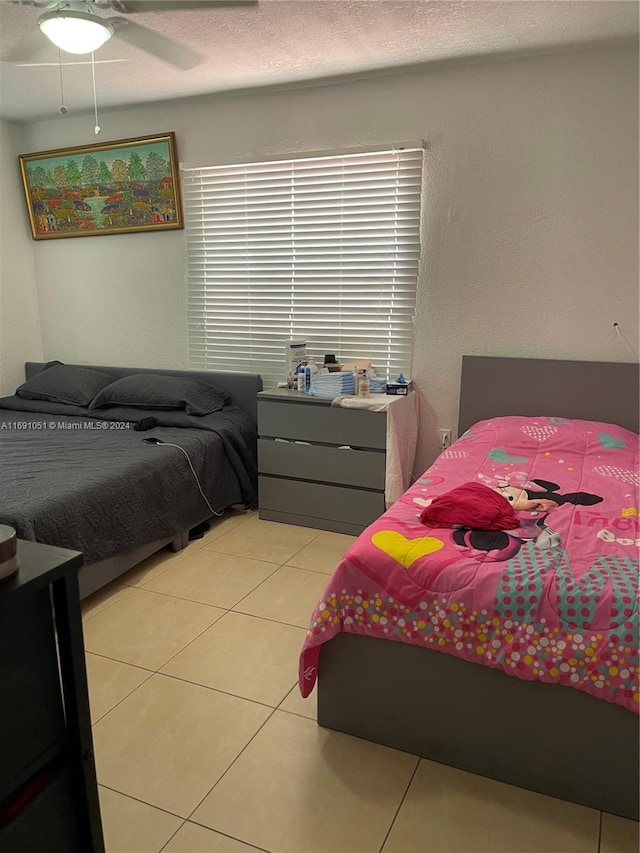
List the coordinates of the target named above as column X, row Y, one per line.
column 313, row 422
column 296, row 497
column 362, row 468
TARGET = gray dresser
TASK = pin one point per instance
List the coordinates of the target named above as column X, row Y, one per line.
column 320, row 466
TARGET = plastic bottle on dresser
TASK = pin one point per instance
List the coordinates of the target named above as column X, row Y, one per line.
column 309, row 372
column 364, row 384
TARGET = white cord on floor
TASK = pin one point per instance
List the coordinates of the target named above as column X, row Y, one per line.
column 168, row 444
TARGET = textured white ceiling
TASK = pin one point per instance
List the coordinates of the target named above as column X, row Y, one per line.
column 289, row 41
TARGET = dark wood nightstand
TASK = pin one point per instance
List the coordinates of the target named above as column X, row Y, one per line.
column 48, row 787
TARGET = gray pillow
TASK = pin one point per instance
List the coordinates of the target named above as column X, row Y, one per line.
column 158, row 391
column 64, row 383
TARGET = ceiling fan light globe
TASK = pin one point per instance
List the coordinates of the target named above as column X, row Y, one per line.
column 75, row 32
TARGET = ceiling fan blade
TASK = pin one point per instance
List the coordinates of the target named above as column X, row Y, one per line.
column 156, row 44
column 127, row 7
column 27, row 48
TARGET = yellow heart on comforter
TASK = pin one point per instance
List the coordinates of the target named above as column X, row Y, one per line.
column 405, row 551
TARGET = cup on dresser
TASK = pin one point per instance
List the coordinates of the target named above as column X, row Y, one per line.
column 8, row 552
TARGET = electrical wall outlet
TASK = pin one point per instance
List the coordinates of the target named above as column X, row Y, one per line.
column 445, row 438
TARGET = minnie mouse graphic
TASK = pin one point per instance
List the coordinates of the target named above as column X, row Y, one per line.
column 532, row 507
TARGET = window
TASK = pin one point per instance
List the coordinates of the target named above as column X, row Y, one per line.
column 323, row 249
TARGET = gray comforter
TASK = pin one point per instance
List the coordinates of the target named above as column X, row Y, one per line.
column 92, row 484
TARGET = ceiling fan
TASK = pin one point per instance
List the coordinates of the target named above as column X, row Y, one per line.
column 75, row 27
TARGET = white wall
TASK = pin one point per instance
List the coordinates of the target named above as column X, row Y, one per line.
column 20, row 339
column 530, row 228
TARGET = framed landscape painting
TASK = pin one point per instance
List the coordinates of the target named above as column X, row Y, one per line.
column 109, row 188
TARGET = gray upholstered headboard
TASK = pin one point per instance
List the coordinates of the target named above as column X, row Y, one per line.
column 591, row 390
column 241, row 387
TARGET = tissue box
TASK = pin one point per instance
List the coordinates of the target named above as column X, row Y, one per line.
column 397, row 388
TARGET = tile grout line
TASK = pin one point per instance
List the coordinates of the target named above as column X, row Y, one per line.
column 143, row 802
column 226, row 835
column 254, row 590
column 281, row 565
column 295, row 713
column 600, row 831
column 151, row 673
column 225, row 692
column 117, row 660
column 226, row 609
column 404, row 796
column 168, row 595
column 164, row 663
column 152, row 592
column 316, row 571
column 231, row 609
column 277, row 621
column 278, row 566
column 120, row 701
column 318, row 534
column 217, row 782
column 108, row 603
column 196, row 601
column 184, row 822
column 204, row 630
column 287, row 564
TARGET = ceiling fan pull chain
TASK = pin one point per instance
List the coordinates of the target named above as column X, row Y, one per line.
column 63, row 109
column 96, row 129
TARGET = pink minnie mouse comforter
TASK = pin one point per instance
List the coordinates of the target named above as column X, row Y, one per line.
column 554, row 598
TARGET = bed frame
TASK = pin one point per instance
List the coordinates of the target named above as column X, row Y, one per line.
column 242, row 389
column 546, row 738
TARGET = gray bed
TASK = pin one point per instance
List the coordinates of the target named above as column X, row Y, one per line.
column 108, row 493
column 553, row 739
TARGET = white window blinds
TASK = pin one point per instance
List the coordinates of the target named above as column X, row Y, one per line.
column 323, row 249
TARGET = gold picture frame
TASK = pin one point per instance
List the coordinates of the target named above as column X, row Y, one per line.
column 117, row 187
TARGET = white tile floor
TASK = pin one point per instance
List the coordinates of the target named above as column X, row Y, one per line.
column 203, row 743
